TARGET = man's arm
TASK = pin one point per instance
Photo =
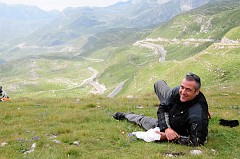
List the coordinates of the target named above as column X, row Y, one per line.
column 198, row 125
column 198, row 134
column 163, row 116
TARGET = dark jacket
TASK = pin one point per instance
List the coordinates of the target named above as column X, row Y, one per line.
column 188, row 119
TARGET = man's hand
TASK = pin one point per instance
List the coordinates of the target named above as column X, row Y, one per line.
column 163, row 135
column 171, row 134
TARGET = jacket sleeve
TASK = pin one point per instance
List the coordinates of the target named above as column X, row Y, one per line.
column 197, row 136
column 163, row 110
column 163, row 118
column 198, row 127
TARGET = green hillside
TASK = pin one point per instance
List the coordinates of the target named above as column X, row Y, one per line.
column 59, row 96
column 195, row 41
column 212, row 21
column 213, row 53
column 233, row 34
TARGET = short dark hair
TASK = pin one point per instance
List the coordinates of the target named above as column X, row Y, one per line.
column 193, row 77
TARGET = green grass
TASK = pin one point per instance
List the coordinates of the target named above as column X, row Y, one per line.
column 47, row 101
column 234, row 33
column 89, row 121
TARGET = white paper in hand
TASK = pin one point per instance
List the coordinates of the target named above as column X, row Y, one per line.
column 149, row 135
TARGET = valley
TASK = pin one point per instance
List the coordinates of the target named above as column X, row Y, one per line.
column 80, row 60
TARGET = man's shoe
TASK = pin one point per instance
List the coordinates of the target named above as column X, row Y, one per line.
column 119, row 116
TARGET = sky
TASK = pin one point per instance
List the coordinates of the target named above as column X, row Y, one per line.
column 61, row 4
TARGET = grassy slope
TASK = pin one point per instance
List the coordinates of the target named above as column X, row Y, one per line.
column 216, row 63
column 211, row 21
column 216, row 66
column 40, row 77
column 27, row 121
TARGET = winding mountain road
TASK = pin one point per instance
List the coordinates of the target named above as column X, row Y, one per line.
column 116, row 90
column 158, row 49
column 99, row 88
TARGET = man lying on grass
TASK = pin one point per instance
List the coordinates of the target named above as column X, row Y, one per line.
column 182, row 114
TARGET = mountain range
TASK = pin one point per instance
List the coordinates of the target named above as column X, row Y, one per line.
column 31, row 26
column 119, row 50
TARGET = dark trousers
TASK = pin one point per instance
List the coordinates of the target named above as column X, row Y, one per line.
column 162, row 91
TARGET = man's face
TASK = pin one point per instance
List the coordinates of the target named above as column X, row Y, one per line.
column 187, row 90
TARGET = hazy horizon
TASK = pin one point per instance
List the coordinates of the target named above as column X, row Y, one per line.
column 60, row 5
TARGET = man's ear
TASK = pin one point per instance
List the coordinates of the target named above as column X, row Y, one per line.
column 197, row 91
